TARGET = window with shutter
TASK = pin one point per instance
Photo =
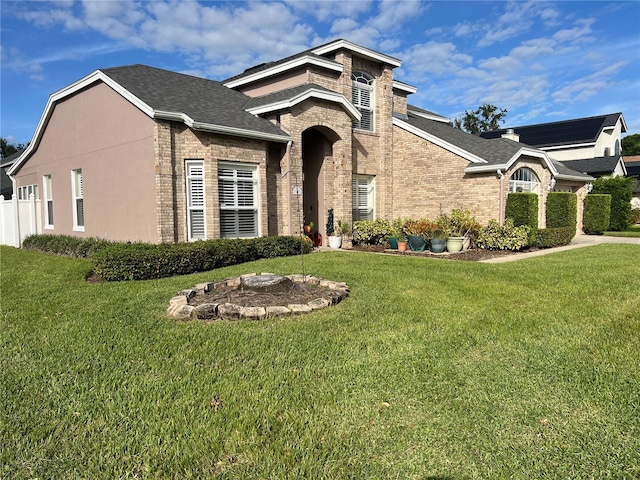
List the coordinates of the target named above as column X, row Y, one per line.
column 238, row 194
column 48, row 197
column 362, row 99
column 197, row 229
column 363, row 199
column 77, row 193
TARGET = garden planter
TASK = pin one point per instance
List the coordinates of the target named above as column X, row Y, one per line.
column 466, row 243
column 335, row 241
column 402, row 246
column 436, row 245
column 454, row 244
column 416, row 243
column 393, row 243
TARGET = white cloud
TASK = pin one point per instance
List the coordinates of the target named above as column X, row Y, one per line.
column 433, row 58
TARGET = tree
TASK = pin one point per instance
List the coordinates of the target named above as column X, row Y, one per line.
column 7, row 149
column 486, row 117
column 631, row 145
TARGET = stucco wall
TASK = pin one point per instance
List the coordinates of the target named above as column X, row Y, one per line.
column 112, row 142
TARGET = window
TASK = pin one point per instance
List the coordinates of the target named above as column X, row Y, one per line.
column 238, row 194
column 77, row 194
column 363, row 197
column 524, row 180
column 195, row 200
column 48, row 198
column 25, row 192
column 362, row 99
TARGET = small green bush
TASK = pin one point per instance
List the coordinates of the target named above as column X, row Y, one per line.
column 522, row 207
column 621, row 191
column 635, row 216
column 142, row 261
column 371, row 232
column 554, row 237
column 505, row 237
column 562, row 210
column 597, row 209
column 65, row 245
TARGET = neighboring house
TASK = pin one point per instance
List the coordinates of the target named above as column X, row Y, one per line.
column 590, row 145
column 632, row 164
column 139, row 153
column 6, row 187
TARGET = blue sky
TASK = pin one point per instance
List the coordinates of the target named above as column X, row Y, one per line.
column 542, row 61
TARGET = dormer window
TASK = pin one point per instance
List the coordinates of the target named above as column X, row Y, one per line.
column 362, row 99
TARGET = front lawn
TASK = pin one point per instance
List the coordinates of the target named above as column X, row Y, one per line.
column 430, row 369
column 632, row 231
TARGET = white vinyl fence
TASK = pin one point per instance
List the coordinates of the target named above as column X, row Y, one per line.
column 19, row 218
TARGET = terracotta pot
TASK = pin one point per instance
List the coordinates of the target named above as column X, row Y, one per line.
column 307, row 229
column 402, row 246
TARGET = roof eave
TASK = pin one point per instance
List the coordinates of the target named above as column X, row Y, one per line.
column 309, row 93
column 360, row 50
column 283, row 67
column 436, row 118
column 404, row 87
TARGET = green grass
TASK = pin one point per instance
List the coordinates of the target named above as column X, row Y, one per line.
column 632, row 231
column 430, row 369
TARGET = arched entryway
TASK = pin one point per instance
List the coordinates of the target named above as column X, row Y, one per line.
column 317, row 155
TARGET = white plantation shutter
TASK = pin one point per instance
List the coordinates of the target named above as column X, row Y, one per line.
column 48, row 196
column 362, row 99
column 237, row 187
column 363, row 197
column 77, row 191
column 196, row 200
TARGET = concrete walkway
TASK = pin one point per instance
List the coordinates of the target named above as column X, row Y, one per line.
column 579, row 241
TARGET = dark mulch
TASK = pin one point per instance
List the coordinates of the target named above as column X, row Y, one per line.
column 472, row 255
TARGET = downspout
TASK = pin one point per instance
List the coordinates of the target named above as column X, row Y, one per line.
column 501, row 197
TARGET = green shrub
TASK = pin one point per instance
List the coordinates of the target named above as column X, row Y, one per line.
column 505, row 237
column 597, row 210
column 143, row 261
column 371, row 232
column 65, row 245
column 523, row 209
column 621, row 191
column 635, row 216
column 562, row 210
column 554, row 237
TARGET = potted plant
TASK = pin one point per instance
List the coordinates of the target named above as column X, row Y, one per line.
column 344, row 229
column 308, row 228
column 335, row 241
column 462, row 225
column 416, row 232
column 438, row 241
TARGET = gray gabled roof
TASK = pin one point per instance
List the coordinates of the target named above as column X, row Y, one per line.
column 8, row 161
column 567, row 132
column 597, row 165
column 204, row 101
column 283, row 95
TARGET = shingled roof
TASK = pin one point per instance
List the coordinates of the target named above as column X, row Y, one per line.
column 566, row 132
column 594, row 166
column 202, row 100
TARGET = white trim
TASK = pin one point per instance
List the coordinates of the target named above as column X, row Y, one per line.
column 75, row 196
column 301, row 97
column 197, row 162
column 255, row 172
column 362, row 51
column 47, row 193
column 428, row 116
column 568, row 147
column 515, row 158
column 283, row 67
column 441, row 143
column 562, row 176
column 404, row 87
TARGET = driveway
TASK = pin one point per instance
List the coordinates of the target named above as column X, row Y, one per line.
column 578, row 241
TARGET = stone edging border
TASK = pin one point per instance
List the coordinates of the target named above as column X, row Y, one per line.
column 180, row 308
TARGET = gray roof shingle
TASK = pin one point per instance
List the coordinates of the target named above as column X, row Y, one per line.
column 282, row 95
column 597, row 165
column 205, row 101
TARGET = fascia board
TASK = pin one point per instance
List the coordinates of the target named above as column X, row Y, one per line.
column 438, row 141
column 311, row 93
column 624, row 124
column 436, row 118
column 283, row 67
column 222, row 129
column 586, row 178
column 404, row 87
column 507, row 165
column 569, row 146
column 362, row 51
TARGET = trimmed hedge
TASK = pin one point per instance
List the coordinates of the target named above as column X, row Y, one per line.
column 562, row 210
column 503, row 237
column 523, row 209
column 597, row 210
column 115, row 261
column 621, row 191
column 554, row 237
column 371, row 232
